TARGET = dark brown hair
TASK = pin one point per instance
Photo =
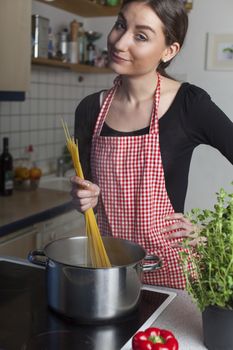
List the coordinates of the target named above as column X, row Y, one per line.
column 175, row 22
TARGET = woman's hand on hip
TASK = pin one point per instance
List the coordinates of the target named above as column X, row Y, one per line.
column 84, row 193
column 182, row 228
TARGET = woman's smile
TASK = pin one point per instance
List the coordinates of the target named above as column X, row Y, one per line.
column 118, row 58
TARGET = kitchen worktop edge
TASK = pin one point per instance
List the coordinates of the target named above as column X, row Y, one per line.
column 35, row 218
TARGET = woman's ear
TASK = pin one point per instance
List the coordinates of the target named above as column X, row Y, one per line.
column 170, row 52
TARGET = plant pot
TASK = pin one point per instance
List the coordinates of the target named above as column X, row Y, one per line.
column 217, row 328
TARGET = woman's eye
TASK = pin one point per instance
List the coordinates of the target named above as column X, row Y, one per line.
column 141, row 37
column 119, row 25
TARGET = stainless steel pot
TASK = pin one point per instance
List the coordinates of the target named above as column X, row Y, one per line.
column 87, row 294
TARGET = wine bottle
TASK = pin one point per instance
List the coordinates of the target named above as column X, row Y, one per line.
column 6, row 170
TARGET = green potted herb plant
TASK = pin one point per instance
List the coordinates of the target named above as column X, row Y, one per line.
column 209, row 271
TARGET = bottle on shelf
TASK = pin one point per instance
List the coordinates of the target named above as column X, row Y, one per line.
column 91, row 53
column 74, row 26
column 6, row 170
column 91, row 49
column 63, row 45
column 73, row 43
column 82, row 44
column 51, row 53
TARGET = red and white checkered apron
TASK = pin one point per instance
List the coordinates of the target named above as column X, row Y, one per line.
column 134, row 200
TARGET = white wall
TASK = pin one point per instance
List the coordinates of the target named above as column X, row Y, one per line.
column 209, row 169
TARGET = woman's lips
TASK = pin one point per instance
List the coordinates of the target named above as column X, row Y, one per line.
column 116, row 58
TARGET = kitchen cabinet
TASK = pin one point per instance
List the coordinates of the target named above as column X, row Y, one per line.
column 19, row 243
column 64, row 225
column 15, row 43
column 84, row 8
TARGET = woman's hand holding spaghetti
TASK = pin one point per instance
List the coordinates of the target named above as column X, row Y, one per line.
column 84, row 193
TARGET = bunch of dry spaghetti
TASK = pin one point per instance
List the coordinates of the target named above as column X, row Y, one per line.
column 97, row 250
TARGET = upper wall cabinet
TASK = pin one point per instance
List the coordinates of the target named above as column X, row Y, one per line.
column 84, row 8
column 15, row 43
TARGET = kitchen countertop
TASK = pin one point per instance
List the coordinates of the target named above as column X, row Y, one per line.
column 25, row 208
column 183, row 318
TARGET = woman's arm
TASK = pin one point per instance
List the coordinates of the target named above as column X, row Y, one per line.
column 85, row 118
column 204, row 123
column 208, row 124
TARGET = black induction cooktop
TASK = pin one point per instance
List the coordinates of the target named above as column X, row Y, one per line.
column 26, row 322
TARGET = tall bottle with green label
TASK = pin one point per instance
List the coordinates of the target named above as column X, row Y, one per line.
column 6, row 170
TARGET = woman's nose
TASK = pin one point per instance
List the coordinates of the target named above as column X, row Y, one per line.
column 122, row 43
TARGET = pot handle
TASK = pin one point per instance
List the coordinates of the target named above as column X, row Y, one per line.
column 33, row 257
column 151, row 267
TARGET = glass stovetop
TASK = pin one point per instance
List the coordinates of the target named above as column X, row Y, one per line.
column 26, row 323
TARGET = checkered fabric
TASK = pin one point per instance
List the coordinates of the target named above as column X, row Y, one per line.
column 134, row 200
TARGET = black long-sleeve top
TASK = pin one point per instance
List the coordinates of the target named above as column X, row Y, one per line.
column 192, row 119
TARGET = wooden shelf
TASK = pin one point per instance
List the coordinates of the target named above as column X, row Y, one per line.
column 48, row 62
column 78, row 68
column 84, row 8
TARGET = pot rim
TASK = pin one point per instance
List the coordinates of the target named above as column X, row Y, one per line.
column 94, row 268
column 90, row 267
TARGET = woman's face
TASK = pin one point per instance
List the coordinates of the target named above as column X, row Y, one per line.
column 136, row 43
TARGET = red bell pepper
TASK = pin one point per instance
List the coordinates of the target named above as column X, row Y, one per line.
column 155, row 339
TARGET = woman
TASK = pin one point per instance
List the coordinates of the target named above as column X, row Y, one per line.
column 136, row 140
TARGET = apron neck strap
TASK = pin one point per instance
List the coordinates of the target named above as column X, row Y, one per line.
column 109, row 98
column 154, row 123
